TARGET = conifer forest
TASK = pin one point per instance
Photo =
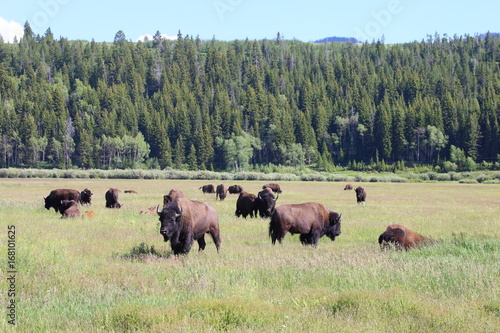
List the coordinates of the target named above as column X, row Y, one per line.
column 232, row 105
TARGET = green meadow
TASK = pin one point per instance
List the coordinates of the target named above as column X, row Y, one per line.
column 114, row 273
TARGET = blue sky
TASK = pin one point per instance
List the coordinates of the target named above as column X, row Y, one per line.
column 398, row 21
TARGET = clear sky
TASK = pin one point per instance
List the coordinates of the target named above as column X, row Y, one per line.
column 397, row 21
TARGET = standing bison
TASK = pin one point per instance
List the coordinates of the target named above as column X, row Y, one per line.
column 401, row 237
column 311, row 220
column 86, row 197
column 360, row 194
column 56, row 196
column 235, row 189
column 265, row 203
column 245, row 205
column 183, row 221
column 274, row 187
column 208, row 188
column 221, row 192
column 111, row 197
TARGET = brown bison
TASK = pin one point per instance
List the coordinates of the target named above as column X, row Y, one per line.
column 348, row 187
column 183, row 221
column 173, row 194
column 208, row 188
column 56, row 196
column 131, row 192
column 265, row 202
column 70, row 208
column 86, row 197
column 111, row 197
column 221, row 192
column 149, row 211
column 274, row 187
column 244, row 205
column 311, row 220
column 235, row 189
column 401, row 237
column 360, row 194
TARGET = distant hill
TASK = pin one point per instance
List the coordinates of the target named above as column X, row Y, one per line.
column 337, row 39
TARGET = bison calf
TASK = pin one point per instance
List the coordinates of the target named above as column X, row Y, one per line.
column 70, row 208
column 401, row 237
column 311, row 220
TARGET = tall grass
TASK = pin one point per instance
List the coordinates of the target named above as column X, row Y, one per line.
column 113, row 273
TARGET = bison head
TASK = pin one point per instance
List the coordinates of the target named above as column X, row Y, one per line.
column 333, row 229
column 266, row 204
column 170, row 222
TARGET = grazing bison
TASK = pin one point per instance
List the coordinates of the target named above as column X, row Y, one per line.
column 401, row 237
column 183, row 221
column 360, row 194
column 208, row 188
column 70, row 208
column 244, row 205
column 274, row 187
column 112, row 198
column 131, row 192
column 348, row 187
column 235, row 189
column 86, row 197
column 56, row 196
column 265, row 202
column 311, row 220
column 221, row 192
column 173, row 194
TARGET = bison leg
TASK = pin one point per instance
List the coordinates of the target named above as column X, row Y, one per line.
column 201, row 243
column 216, row 238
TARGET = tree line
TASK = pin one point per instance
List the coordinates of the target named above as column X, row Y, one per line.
column 216, row 105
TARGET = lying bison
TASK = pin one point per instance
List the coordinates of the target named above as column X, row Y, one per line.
column 173, row 194
column 311, row 220
column 183, row 221
column 149, row 211
column 348, row 187
column 401, row 237
column 70, row 208
column 274, row 187
column 56, row 196
column 208, row 188
column 245, row 205
column 360, row 194
column 235, row 189
column 111, row 197
column 86, row 197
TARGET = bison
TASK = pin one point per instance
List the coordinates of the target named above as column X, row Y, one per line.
column 265, row 202
column 173, row 194
column 149, row 211
column 112, row 198
column 131, row 192
column 183, row 221
column 245, row 205
column 348, row 187
column 86, row 197
column 70, row 208
column 311, row 220
column 401, row 237
column 221, row 192
column 235, row 189
column 360, row 194
column 56, row 196
column 274, row 187
column 207, row 188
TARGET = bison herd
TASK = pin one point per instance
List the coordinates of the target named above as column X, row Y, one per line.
column 184, row 221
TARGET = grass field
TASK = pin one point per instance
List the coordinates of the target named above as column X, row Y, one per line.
column 114, row 273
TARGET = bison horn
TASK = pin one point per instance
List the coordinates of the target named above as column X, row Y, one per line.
column 180, row 214
column 157, row 211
